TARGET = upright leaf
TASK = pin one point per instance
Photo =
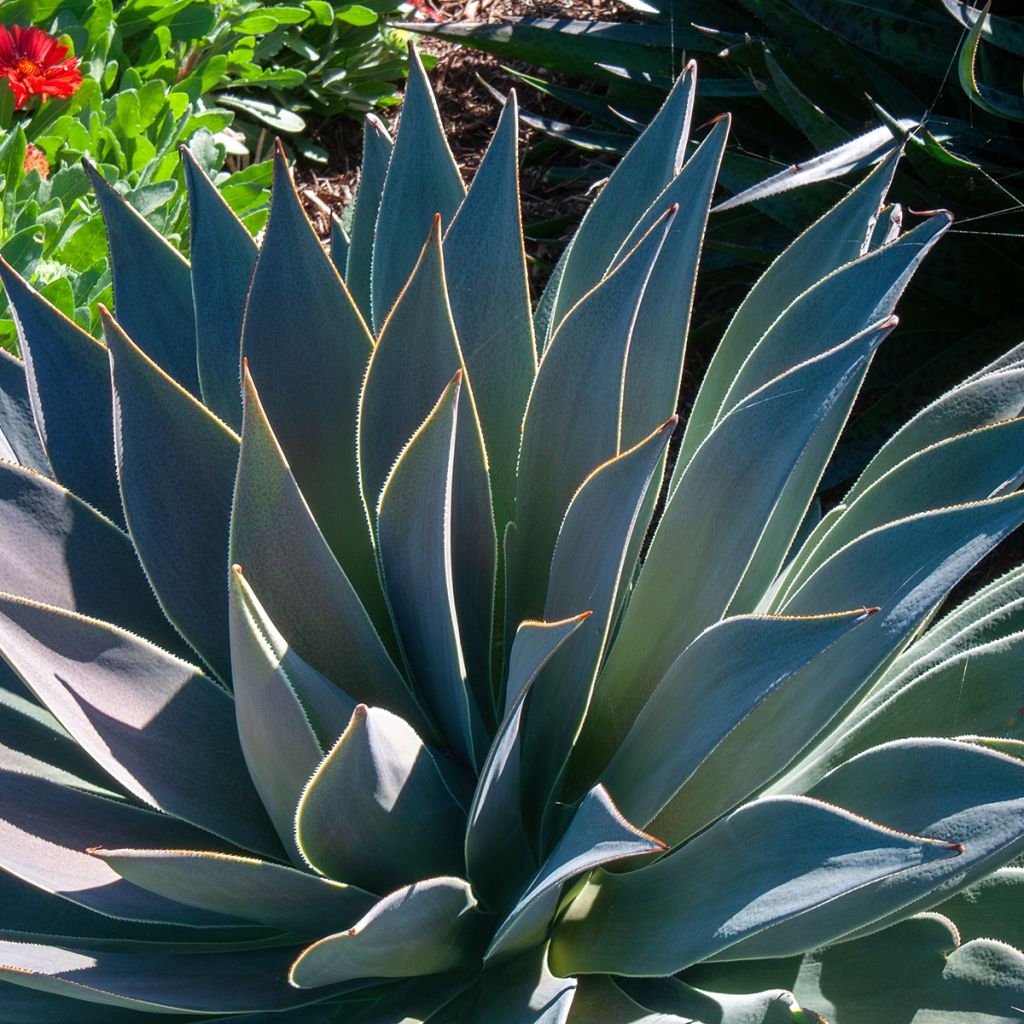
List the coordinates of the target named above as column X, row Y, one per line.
column 161, row 319
column 372, row 170
column 422, row 182
column 223, row 256
column 176, row 465
column 308, row 355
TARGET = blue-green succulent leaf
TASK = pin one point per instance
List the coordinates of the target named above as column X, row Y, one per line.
column 223, row 255
column 176, row 465
column 832, row 241
column 530, row 993
column 340, row 243
column 372, row 169
column 286, row 560
column 652, row 162
column 715, row 891
column 19, row 439
column 308, row 355
column 838, row 306
column 606, row 519
column 46, row 829
column 241, row 887
column 496, row 837
column 68, row 375
column 990, row 908
column 86, row 673
column 281, row 746
column 201, row 982
column 710, row 688
column 433, row 514
column 710, row 528
column 56, row 549
column 422, row 929
column 490, row 301
column 654, row 365
column 422, row 182
column 597, row 834
column 392, row 790
column 569, row 431
column 160, row 317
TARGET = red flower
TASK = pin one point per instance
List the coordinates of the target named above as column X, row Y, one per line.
column 36, row 64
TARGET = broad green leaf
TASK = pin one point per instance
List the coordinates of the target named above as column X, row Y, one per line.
column 569, row 431
column 774, row 859
column 485, row 273
column 161, row 320
column 651, row 163
column 277, row 696
column 832, row 241
column 46, row 829
column 176, row 466
column 710, row 528
column 241, row 887
column 422, row 182
column 655, row 361
column 68, row 376
column 597, row 834
column 87, row 674
column 415, row 358
column 308, row 356
column 201, row 982
column 286, row 560
column 57, row 550
column 978, row 806
column 414, row 539
column 223, row 256
column 425, row 928
column 372, row 169
column 19, row 439
column 591, row 566
column 717, row 681
column 913, row 971
column 496, row 836
column 263, row 112
column 401, row 822
column 599, row 1000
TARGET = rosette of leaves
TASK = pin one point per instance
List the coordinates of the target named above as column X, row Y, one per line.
column 365, row 677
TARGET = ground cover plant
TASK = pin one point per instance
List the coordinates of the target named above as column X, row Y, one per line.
column 357, row 672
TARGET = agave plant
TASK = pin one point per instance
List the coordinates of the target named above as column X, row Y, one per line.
column 386, row 674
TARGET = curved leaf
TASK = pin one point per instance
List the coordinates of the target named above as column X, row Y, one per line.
column 19, row 440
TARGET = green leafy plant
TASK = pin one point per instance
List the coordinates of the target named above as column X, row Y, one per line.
column 369, row 680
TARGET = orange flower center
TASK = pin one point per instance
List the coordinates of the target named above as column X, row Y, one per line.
column 27, row 67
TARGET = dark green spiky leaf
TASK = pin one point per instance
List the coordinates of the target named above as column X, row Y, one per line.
column 19, row 441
